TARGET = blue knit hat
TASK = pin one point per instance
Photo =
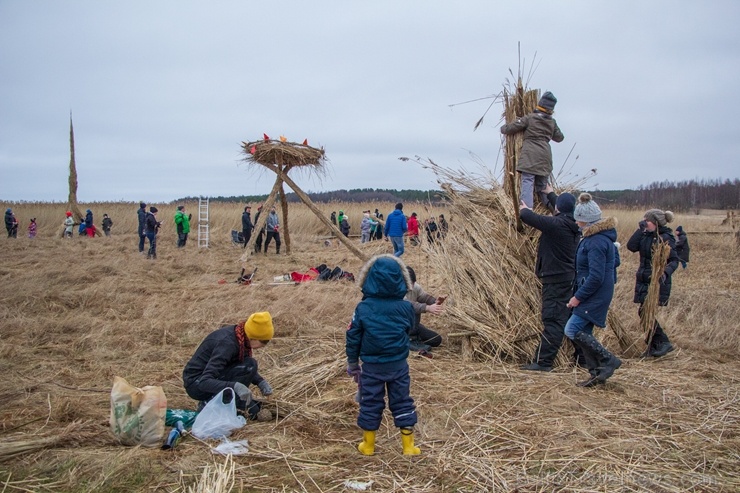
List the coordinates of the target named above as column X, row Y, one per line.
column 566, row 203
column 548, row 102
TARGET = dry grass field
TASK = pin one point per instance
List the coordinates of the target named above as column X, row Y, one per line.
column 74, row 313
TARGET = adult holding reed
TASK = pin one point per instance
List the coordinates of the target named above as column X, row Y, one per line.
column 652, row 230
column 596, row 263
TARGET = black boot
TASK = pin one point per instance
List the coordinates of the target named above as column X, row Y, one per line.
column 607, row 362
column 587, row 360
column 661, row 345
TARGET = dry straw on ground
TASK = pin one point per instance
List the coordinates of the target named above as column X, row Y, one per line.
column 77, row 312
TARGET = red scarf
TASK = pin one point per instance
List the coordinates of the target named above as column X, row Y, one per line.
column 243, row 341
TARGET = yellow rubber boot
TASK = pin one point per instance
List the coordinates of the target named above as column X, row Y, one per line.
column 367, row 445
column 407, row 439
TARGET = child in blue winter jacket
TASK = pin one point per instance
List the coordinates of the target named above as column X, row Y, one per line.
column 379, row 336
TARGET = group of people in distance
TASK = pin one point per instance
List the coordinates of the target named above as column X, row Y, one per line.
column 269, row 232
column 371, row 228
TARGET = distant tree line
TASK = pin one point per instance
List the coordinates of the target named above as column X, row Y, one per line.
column 680, row 196
column 358, row 195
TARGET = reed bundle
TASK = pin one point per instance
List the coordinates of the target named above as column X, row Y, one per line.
column 661, row 251
column 270, row 152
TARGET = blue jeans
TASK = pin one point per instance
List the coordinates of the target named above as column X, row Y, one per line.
column 577, row 324
column 532, row 184
column 152, row 245
column 397, row 245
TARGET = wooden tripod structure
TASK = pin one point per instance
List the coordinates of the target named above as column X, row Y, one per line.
column 281, row 156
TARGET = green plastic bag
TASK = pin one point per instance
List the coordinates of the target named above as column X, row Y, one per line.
column 172, row 416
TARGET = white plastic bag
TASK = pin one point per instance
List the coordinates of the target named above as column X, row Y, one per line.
column 218, row 420
column 240, row 447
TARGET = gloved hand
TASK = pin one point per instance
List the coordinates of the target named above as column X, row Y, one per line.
column 243, row 392
column 354, row 371
column 642, row 224
column 265, row 388
column 663, row 278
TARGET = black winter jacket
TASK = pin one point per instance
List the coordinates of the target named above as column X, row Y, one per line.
column 141, row 213
column 247, row 222
column 642, row 242
column 218, row 351
column 556, row 253
column 682, row 246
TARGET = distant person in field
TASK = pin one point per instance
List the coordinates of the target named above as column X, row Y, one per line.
column 422, row 338
column 652, row 230
column 141, row 215
column 339, row 218
column 596, row 263
column 378, row 336
column 261, row 234
column 69, row 224
column 430, row 225
column 555, row 267
column 365, row 226
column 333, row 218
column 224, row 359
column 379, row 228
column 32, row 228
column 107, row 224
column 344, row 225
column 11, row 223
column 443, row 226
column 182, row 223
column 682, row 246
column 89, row 224
column 374, row 226
column 151, row 228
column 247, row 225
column 272, row 227
column 535, row 157
column 395, row 227
column 412, row 226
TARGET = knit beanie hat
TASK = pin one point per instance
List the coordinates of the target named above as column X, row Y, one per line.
column 68, row 214
column 259, row 327
column 656, row 216
column 547, row 102
column 566, row 203
column 679, row 229
column 587, row 211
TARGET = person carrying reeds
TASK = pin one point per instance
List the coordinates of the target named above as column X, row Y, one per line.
column 596, row 263
column 555, row 268
column 224, row 359
column 379, row 337
column 652, row 230
column 535, row 157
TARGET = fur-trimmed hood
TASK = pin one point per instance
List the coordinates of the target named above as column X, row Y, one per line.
column 598, row 227
column 379, row 277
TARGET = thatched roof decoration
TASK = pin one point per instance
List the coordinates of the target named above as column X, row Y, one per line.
column 269, row 152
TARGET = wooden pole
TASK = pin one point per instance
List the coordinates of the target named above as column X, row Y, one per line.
column 284, row 207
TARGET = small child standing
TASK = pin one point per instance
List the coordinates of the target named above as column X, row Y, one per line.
column 379, row 336
column 32, row 228
column 535, row 158
column 107, row 224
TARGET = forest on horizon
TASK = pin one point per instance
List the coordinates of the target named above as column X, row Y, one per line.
column 679, row 196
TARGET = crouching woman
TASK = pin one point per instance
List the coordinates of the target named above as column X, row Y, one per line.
column 596, row 262
column 224, row 359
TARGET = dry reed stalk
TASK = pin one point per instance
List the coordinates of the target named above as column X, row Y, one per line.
column 70, row 434
column 660, row 251
column 216, row 478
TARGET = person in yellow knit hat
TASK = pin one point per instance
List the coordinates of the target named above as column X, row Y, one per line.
column 224, row 359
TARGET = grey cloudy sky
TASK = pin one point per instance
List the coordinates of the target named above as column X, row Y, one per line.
column 162, row 93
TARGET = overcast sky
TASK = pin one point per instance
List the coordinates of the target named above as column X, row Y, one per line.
column 162, row 93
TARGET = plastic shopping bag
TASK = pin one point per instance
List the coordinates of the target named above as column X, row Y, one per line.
column 218, row 419
column 137, row 415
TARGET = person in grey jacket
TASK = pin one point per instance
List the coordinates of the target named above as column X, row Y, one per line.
column 421, row 336
column 535, row 158
column 271, row 227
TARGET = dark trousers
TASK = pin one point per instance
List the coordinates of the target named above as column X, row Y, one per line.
column 243, row 372
column 270, row 236
column 425, row 335
column 373, row 387
column 258, row 241
column 152, row 253
column 555, row 314
column 246, row 234
column 657, row 336
column 182, row 238
column 142, row 239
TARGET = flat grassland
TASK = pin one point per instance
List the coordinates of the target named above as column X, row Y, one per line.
column 77, row 312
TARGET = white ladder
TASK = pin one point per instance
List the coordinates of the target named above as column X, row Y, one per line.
column 203, row 222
